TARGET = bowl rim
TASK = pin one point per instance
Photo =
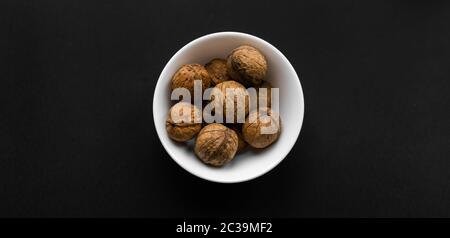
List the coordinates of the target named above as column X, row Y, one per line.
column 207, row 37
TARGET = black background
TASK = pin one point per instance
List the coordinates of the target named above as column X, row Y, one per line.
column 76, row 124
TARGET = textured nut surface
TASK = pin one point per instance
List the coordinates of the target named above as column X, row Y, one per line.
column 236, row 127
column 240, row 92
column 268, row 96
column 179, row 129
column 187, row 74
column 252, row 130
column 217, row 69
column 216, row 144
column 247, row 65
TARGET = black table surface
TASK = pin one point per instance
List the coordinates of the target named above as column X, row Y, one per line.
column 76, row 125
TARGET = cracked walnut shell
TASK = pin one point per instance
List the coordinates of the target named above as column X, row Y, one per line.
column 264, row 130
column 181, row 124
column 216, row 144
column 247, row 65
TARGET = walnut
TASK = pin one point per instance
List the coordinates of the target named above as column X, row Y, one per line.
column 247, row 65
column 180, row 126
column 239, row 93
column 216, row 144
column 217, row 69
column 268, row 96
column 236, row 127
column 253, row 131
column 187, row 74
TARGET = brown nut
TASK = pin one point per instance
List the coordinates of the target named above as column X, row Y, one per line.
column 217, row 69
column 187, row 74
column 247, row 65
column 253, row 131
column 216, row 144
column 236, row 127
column 266, row 97
column 183, row 127
column 232, row 97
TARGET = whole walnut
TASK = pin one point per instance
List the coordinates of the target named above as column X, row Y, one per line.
column 187, row 74
column 217, row 69
column 247, row 65
column 268, row 96
column 181, row 126
column 237, row 127
column 263, row 131
column 216, row 144
column 239, row 93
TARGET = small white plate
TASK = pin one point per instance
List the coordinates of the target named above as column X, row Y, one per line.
column 281, row 74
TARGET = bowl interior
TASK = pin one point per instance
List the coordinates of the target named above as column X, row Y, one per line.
column 249, row 164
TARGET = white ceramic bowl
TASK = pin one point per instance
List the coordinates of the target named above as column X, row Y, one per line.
column 281, row 74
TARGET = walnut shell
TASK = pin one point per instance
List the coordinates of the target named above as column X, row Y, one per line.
column 187, row 74
column 217, row 69
column 216, row 144
column 252, row 130
column 182, row 127
column 247, row 65
column 241, row 142
column 268, row 96
column 240, row 92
